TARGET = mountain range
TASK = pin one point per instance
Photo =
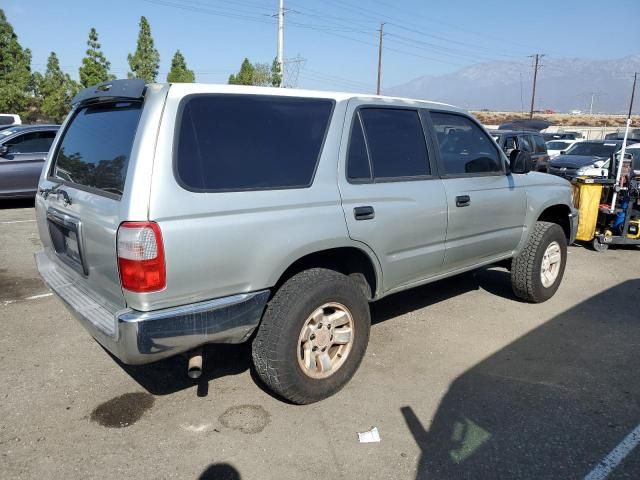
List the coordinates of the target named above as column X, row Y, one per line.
column 563, row 85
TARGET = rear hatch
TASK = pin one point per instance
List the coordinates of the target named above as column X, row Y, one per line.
column 80, row 196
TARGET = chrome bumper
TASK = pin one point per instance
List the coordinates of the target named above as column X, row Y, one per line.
column 574, row 219
column 137, row 337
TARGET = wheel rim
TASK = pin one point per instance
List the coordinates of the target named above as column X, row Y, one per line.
column 325, row 340
column 551, row 262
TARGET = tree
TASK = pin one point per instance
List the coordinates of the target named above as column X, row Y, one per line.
column 244, row 76
column 179, row 72
column 95, row 67
column 276, row 73
column 57, row 90
column 15, row 71
column 145, row 61
column 259, row 74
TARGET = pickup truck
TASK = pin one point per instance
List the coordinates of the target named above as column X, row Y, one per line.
column 178, row 215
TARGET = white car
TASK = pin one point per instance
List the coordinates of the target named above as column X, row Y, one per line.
column 10, row 119
column 554, row 147
column 601, row 168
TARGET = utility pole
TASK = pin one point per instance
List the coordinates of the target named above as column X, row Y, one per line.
column 380, row 59
column 536, row 67
column 281, row 41
column 633, row 93
column 624, row 147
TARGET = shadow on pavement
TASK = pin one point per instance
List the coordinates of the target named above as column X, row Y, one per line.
column 220, row 360
column 169, row 376
column 552, row 404
column 17, row 203
column 220, row 471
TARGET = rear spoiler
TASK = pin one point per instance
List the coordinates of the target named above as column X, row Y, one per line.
column 131, row 89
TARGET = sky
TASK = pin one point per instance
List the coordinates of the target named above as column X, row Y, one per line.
column 335, row 41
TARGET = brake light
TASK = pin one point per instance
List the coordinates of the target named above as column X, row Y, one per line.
column 141, row 257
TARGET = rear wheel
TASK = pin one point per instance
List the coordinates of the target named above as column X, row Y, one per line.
column 537, row 272
column 313, row 336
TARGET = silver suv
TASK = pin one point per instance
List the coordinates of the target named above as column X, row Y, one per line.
column 177, row 215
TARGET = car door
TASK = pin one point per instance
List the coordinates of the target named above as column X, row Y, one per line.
column 22, row 163
column 392, row 198
column 486, row 207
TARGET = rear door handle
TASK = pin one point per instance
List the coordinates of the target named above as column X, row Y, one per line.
column 463, row 201
column 364, row 213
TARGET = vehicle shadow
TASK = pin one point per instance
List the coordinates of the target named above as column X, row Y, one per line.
column 220, row 360
column 9, row 204
column 220, row 471
column 551, row 404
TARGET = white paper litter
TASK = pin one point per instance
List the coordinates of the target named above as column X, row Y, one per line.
column 372, row 436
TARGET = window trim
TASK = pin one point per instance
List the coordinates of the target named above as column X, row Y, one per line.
column 441, row 167
column 178, row 124
column 373, row 179
column 15, row 135
column 58, row 144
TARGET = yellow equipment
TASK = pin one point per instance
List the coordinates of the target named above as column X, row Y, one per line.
column 587, row 194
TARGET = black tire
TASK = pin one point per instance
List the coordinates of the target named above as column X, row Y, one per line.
column 599, row 247
column 276, row 344
column 526, row 267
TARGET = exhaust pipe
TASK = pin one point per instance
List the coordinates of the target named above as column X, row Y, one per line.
column 194, row 368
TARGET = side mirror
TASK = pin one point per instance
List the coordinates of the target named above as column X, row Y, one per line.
column 562, row 152
column 3, row 150
column 520, row 162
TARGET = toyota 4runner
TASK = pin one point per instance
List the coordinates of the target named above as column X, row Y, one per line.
column 178, row 215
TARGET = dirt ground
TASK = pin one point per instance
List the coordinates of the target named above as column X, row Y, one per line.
column 461, row 379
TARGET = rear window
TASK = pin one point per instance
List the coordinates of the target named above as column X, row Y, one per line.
column 246, row 142
column 95, row 148
column 540, row 146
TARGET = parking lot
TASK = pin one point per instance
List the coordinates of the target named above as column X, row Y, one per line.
column 461, row 380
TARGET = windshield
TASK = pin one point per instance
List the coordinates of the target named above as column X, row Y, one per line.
column 593, row 149
column 558, row 145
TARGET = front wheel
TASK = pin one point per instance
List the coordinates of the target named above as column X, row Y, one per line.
column 313, row 336
column 537, row 272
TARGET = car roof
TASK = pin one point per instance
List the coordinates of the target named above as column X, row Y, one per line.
column 5, row 132
column 514, row 132
column 195, row 88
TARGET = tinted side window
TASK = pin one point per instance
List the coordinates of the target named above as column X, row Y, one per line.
column 540, row 146
column 34, row 142
column 95, row 148
column 525, row 143
column 358, row 167
column 464, row 147
column 396, row 142
column 242, row 142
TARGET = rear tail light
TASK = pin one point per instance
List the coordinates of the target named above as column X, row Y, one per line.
column 141, row 257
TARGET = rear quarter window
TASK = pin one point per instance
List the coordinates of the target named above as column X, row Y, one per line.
column 249, row 142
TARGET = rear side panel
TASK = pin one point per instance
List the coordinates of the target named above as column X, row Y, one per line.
column 224, row 243
column 89, row 218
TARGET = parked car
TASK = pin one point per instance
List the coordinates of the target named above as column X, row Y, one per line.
column 176, row 215
column 561, row 136
column 582, row 154
column 600, row 168
column 9, row 119
column 556, row 147
column 528, row 141
column 23, row 150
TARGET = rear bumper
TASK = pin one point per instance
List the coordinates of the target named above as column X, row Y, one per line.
column 137, row 337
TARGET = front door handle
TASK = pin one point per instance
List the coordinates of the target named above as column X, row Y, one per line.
column 463, row 201
column 364, row 213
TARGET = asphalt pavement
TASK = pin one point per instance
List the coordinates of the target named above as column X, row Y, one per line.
column 461, row 379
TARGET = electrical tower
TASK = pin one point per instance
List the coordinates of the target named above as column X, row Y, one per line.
column 294, row 67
